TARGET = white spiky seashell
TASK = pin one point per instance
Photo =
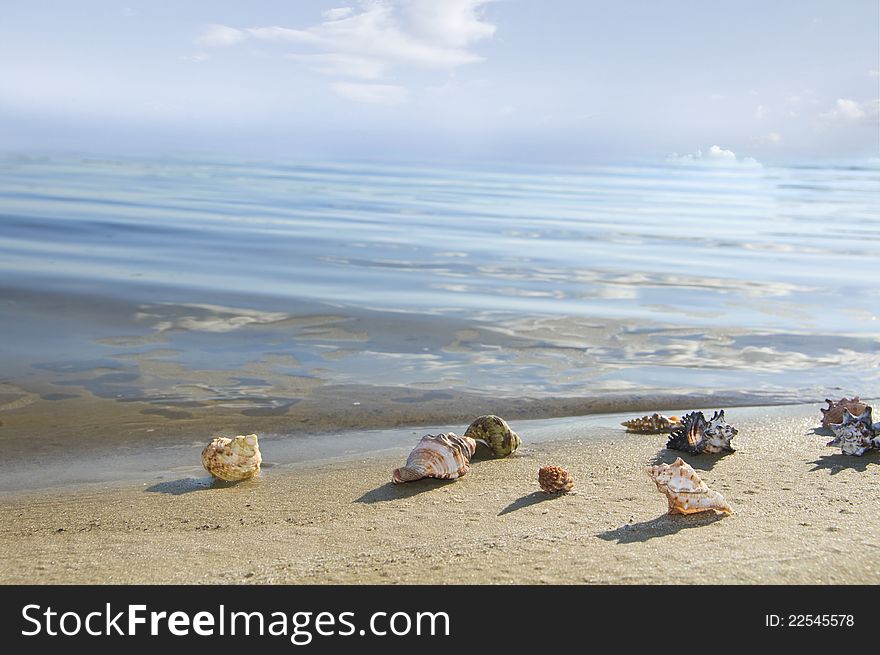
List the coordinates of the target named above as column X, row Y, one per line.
column 854, row 434
column 684, row 490
column 445, row 456
column 233, row 459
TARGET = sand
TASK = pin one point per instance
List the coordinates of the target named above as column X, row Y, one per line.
column 804, row 513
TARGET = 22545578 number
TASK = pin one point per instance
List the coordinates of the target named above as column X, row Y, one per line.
column 809, row 620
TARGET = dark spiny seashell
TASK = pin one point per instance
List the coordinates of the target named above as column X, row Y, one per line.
column 696, row 435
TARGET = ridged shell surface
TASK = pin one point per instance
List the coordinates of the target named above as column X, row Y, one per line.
column 233, row 459
column 653, row 424
column 495, row 431
column 685, row 492
column 555, row 479
column 445, row 456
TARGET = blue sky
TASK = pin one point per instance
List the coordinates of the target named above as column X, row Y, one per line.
column 526, row 79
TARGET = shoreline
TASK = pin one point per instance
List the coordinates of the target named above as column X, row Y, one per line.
column 91, row 450
column 803, row 513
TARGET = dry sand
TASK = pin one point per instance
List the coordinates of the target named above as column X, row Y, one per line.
column 804, row 513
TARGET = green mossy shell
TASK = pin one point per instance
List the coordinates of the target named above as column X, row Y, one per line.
column 495, row 432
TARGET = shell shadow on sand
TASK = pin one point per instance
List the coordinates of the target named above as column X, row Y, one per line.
column 390, row 491
column 662, row 526
column 189, row 485
column 837, row 462
column 704, row 462
column 530, row 499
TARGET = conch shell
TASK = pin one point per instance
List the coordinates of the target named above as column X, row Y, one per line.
column 854, row 434
column 502, row 441
column 555, row 479
column 653, row 424
column 834, row 412
column 233, row 459
column 685, row 491
column 446, row 456
column 696, row 435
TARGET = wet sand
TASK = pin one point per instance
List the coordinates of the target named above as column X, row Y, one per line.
column 804, row 513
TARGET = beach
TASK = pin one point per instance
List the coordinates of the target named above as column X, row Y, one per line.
column 343, row 309
column 803, row 513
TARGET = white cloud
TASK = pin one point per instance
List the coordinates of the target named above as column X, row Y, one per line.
column 215, row 36
column 716, row 152
column 378, row 36
column 343, row 65
column 337, row 13
column 760, row 112
column 714, row 155
column 850, row 111
column 374, row 94
column 198, row 57
column 874, row 73
column 770, row 139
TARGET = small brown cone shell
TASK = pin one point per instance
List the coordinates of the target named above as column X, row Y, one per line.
column 555, row 479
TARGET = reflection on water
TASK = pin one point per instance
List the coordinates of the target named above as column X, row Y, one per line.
column 248, row 285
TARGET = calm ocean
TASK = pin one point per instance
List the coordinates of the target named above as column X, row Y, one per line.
column 183, row 282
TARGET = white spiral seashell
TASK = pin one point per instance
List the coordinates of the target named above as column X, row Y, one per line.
column 445, row 456
column 233, row 459
column 685, row 492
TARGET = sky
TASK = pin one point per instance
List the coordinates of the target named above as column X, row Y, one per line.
column 530, row 80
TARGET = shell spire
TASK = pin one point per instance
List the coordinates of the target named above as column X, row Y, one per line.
column 855, row 434
column 653, row 424
column 502, row 441
column 445, row 456
column 685, row 492
column 696, row 435
column 233, row 459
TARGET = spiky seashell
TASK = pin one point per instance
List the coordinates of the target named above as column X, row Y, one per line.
column 232, row 459
column 685, row 492
column 653, row 424
column 446, row 456
column 502, row 441
column 696, row 435
column 834, row 412
column 854, row 434
column 555, row 479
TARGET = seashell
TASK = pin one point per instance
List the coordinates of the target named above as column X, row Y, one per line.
column 854, row 434
column 685, row 492
column 446, row 456
column 555, row 479
column 233, row 459
column 502, row 441
column 696, row 435
column 653, row 424
column 834, row 412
